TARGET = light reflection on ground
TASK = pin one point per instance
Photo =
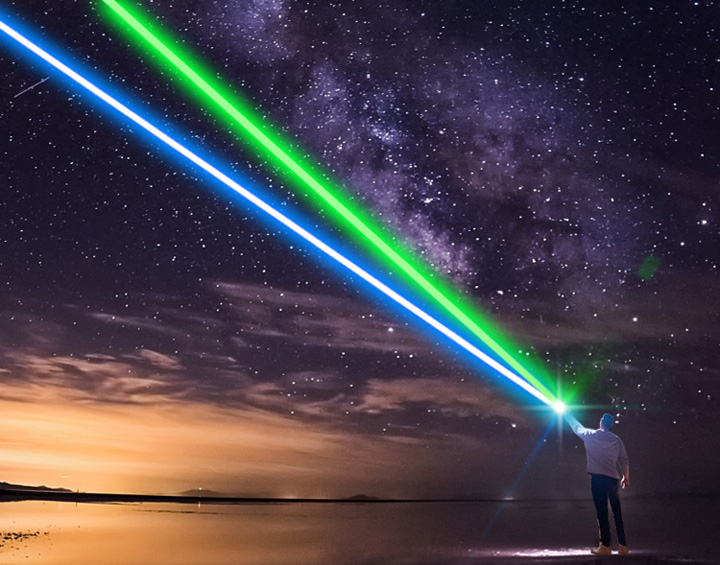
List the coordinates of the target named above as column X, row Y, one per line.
column 576, row 556
column 549, row 552
column 515, row 554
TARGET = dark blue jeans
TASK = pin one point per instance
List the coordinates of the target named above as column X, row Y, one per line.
column 605, row 489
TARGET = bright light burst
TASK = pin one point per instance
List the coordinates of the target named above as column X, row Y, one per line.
column 300, row 174
column 210, row 169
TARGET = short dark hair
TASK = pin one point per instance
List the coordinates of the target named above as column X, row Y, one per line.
column 607, row 421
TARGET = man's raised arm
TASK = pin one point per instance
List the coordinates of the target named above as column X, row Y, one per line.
column 573, row 423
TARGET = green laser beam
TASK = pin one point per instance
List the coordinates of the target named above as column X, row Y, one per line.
column 181, row 150
column 305, row 177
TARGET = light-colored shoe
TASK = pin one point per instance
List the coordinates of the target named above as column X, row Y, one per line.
column 623, row 549
column 601, row 550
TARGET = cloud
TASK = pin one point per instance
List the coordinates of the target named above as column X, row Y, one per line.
column 93, row 379
column 323, row 358
column 160, row 360
column 311, row 320
column 272, row 349
column 452, row 398
column 137, row 322
column 671, row 311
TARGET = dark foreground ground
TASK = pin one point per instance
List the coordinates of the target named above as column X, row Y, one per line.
column 636, row 559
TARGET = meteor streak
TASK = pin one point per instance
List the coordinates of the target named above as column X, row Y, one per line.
column 30, row 87
column 313, row 240
column 298, row 172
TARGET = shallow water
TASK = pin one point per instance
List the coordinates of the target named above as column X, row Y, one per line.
column 55, row 533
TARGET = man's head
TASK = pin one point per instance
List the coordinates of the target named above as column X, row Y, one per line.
column 606, row 422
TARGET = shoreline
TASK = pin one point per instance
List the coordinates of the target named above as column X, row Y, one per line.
column 50, row 495
column 12, row 495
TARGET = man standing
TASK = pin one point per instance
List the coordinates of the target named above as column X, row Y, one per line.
column 607, row 465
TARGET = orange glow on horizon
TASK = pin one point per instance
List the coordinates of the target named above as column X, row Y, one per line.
column 170, row 446
column 165, row 448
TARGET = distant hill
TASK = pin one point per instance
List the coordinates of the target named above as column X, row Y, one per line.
column 23, row 488
column 200, row 492
column 361, row 497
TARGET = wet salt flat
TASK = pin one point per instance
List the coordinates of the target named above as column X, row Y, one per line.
column 52, row 533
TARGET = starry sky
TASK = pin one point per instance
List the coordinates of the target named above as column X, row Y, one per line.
column 556, row 162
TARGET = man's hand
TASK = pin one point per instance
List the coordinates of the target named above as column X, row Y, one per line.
column 625, row 483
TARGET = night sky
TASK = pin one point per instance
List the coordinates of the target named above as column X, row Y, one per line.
column 557, row 162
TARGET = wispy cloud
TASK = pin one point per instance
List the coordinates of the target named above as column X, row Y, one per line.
column 312, row 320
column 449, row 397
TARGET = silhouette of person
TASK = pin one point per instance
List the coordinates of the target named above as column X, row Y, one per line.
column 608, row 466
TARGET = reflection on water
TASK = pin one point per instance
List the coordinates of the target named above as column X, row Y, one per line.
column 61, row 533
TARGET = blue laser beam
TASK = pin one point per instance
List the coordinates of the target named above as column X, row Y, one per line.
column 262, row 205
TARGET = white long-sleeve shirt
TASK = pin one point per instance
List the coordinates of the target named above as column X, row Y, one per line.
column 605, row 451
